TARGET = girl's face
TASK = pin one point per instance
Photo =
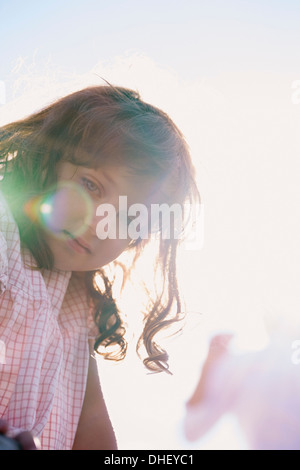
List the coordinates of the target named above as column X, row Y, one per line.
column 88, row 252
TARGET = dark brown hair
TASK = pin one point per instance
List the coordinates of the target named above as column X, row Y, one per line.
column 92, row 127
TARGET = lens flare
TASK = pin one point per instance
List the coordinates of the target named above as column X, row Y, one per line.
column 66, row 210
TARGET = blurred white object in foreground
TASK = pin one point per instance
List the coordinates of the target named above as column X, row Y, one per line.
column 261, row 389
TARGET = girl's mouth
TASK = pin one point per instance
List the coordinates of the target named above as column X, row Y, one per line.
column 77, row 244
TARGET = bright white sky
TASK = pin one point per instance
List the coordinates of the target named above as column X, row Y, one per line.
column 224, row 71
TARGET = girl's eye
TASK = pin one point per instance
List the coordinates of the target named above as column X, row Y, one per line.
column 90, row 186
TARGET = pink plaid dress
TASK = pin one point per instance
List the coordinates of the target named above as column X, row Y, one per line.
column 44, row 330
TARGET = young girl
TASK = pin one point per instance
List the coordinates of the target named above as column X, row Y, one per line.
column 59, row 166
